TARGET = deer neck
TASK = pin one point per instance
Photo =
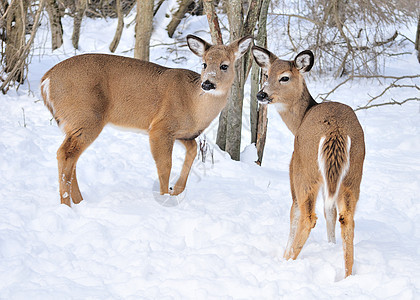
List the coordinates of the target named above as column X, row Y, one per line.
column 293, row 115
column 208, row 105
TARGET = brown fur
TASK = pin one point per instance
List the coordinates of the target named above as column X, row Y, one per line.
column 335, row 153
column 311, row 123
column 86, row 92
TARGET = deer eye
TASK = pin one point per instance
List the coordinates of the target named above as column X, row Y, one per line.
column 204, row 65
column 284, row 79
column 224, row 67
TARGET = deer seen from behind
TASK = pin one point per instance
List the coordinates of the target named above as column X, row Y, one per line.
column 329, row 151
column 86, row 92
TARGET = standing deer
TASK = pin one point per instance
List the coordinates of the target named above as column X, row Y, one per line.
column 329, row 151
column 86, row 92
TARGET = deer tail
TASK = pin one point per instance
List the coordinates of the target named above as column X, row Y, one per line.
column 333, row 162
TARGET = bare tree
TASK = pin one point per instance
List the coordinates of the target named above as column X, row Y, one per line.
column 17, row 43
column 348, row 37
column 230, row 120
column 213, row 20
column 144, row 26
column 178, row 15
column 55, row 24
column 258, row 112
column 77, row 21
column 120, row 27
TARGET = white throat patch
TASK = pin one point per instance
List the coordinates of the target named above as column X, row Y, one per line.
column 280, row 107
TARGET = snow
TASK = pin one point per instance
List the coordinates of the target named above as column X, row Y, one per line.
column 224, row 237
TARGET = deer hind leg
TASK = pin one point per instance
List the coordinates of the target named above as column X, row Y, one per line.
column 346, row 206
column 330, row 214
column 76, row 195
column 191, row 153
column 306, row 199
column 67, row 155
column 161, row 145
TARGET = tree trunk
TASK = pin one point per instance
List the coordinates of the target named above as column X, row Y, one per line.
column 15, row 38
column 417, row 45
column 178, row 15
column 213, row 20
column 18, row 46
column 261, row 132
column 143, row 29
column 55, row 24
column 260, row 121
column 233, row 115
column 77, row 22
column 216, row 37
column 120, row 27
column 253, row 110
column 230, row 121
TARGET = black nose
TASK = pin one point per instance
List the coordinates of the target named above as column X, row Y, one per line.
column 207, row 85
column 262, row 96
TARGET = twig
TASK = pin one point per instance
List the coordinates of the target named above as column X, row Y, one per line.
column 388, row 103
column 396, row 78
column 297, row 16
column 390, row 86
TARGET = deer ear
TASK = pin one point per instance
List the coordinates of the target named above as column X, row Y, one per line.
column 304, row 61
column 197, row 45
column 263, row 57
column 241, row 46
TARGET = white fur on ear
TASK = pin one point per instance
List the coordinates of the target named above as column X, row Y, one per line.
column 262, row 58
column 243, row 47
column 304, row 61
column 196, row 46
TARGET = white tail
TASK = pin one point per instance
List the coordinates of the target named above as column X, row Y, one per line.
column 86, row 92
column 329, row 151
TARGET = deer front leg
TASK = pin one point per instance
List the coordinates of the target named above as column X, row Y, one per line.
column 294, row 211
column 191, row 153
column 161, row 145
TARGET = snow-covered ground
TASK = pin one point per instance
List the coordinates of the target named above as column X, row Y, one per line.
column 226, row 237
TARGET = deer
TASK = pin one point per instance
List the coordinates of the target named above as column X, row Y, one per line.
column 86, row 92
column 329, row 151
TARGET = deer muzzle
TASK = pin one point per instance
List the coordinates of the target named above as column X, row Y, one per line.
column 263, row 98
column 207, row 85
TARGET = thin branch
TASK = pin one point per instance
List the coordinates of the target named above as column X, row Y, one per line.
column 393, row 102
column 297, row 16
column 396, row 78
